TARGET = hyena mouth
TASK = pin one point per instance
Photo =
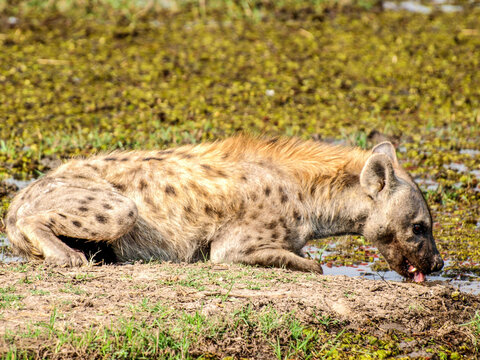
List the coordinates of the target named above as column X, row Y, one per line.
column 412, row 272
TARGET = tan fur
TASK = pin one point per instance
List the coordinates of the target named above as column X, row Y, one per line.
column 244, row 199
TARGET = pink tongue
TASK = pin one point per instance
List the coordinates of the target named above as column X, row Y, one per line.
column 419, row 277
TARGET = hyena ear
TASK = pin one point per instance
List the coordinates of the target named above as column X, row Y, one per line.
column 377, row 174
column 388, row 149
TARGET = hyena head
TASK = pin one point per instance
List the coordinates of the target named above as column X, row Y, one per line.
column 399, row 223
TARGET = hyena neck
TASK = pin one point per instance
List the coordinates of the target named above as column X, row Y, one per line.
column 338, row 203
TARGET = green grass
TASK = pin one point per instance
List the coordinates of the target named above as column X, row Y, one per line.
column 9, row 299
column 169, row 335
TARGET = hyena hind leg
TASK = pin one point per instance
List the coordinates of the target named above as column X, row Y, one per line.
column 108, row 217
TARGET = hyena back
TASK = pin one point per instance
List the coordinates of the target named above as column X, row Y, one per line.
column 241, row 200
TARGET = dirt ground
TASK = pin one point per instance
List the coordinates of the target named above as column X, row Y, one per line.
column 100, row 295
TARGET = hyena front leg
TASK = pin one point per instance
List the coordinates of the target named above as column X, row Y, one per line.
column 235, row 245
column 75, row 213
column 281, row 258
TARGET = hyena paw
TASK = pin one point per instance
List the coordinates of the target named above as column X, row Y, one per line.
column 316, row 267
column 71, row 258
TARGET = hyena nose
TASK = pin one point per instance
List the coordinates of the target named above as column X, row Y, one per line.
column 437, row 263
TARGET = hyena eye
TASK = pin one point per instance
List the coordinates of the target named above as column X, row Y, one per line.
column 418, row 229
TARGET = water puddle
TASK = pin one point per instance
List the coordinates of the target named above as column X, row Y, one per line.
column 5, row 255
column 422, row 7
column 464, row 281
column 18, row 183
column 470, row 152
column 427, row 184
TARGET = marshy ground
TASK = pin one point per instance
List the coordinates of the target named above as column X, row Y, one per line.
column 81, row 77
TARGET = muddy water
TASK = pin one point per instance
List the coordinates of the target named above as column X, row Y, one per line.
column 5, row 255
column 463, row 281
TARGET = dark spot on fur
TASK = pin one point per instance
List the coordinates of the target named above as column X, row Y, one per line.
column 124, row 159
column 118, row 186
column 210, row 211
column 254, row 215
column 267, row 191
column 259, row 238
column 82, row 209
column 153, row 158
column 225, row 156
column 93, row 233
column 296, row 216
column 101, row 218
column 77, row 223
column 170, row 190
column 260, row 206
column 143, row 184
column 271, row 225
column 243, row 178
column 274, row 235
column 249, row 250
column 273, row 141
column 83, row 201
column 199, row 190
column 241, row 211
column 289, row 235
column 63, row 216
column 92, row 167
column 220, row 173
column 107, row 206
column 300, row 196
column 130, row 213
column 120, row 221
column 213, row 172
column 254, row 196
column 283, row 195
column 149, row 201
column 165, row 152
column 80, row 177
column 90, row 198
column 112, row 158
column 185, row 156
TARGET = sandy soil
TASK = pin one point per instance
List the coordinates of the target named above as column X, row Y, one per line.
column 101, row 294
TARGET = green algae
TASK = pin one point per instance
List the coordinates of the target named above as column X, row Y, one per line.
column 115, row 78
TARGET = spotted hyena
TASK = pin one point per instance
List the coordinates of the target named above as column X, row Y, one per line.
column 241, row 200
